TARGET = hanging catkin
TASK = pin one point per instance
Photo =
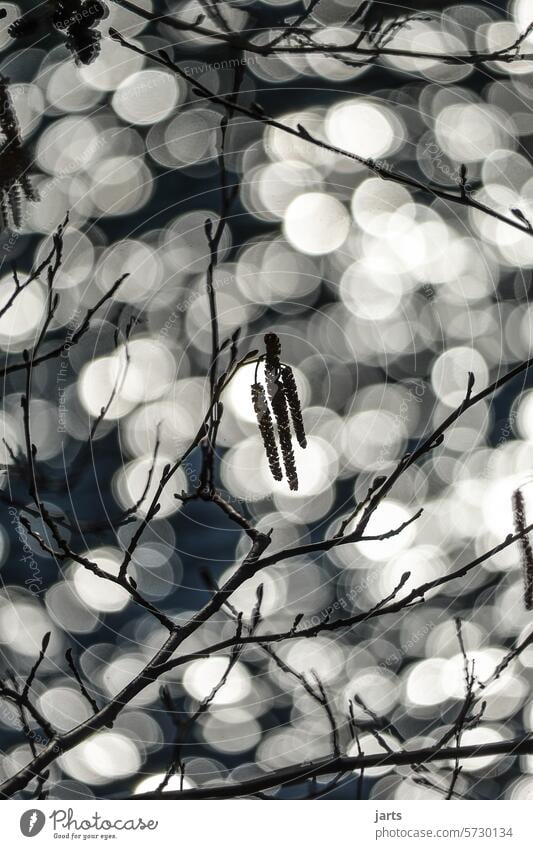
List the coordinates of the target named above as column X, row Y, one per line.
column 266, row 429
column 281, row 414
column 272, row 353
column 15, row 203
column 519, row 514
column 291, row 394
column 280, row 394
column 14, row 163
column 272, row 365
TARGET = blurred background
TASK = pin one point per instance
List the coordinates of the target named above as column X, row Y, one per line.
column 384, row 300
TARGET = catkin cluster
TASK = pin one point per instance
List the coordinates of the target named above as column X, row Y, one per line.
column 75, row 20
column 14, row 164
column 278, row 402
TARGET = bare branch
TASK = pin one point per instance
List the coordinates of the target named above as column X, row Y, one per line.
column 327, row 766
column 507, row 54
column 385, row 172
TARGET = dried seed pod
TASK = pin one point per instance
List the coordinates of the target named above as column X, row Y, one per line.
column 281, row 414
column 519, row 514
column 291, row 394
column 84, row 44
column 31, row 24
column 266, row 429
column 77, row 20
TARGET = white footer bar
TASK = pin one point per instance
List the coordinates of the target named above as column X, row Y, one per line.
column 260, row 825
